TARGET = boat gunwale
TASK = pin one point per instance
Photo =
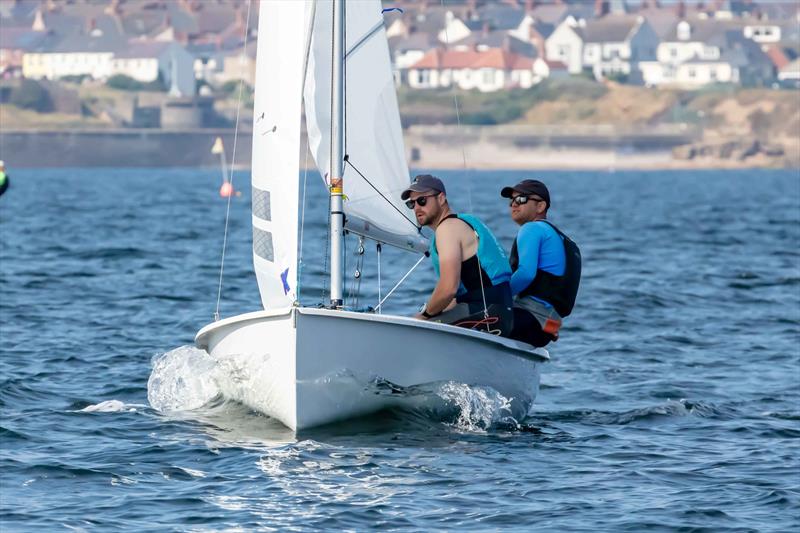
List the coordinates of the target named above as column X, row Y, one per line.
column 517, row 348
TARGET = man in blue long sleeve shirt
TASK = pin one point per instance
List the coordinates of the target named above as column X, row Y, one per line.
column 544, row 287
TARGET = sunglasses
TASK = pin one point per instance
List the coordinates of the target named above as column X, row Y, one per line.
column 522, row 200
column 420, row 201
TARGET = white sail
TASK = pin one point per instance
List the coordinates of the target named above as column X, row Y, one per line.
column 373, row 135
column 276, row 149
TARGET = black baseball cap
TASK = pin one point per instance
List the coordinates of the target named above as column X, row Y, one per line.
column 422, row 183
column 528, row 187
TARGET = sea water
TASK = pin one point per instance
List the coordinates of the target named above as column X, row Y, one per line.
column 672, row 401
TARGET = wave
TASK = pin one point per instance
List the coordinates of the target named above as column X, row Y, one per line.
column 183, row 379
column 670, row 409
column 109, row 406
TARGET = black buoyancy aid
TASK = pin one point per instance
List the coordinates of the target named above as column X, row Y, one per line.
column 558, row 291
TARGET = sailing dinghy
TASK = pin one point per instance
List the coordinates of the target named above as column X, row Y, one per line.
column 309, row 366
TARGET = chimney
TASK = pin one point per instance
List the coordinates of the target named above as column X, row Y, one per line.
column 600, row 8
column 529, row 5
column 680, row 9
column 485, row 29
column 92, row 25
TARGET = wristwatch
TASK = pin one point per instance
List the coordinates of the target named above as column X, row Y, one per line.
column 424, row 311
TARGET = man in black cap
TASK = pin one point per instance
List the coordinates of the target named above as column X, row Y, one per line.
column 473, row 288
column 546, row 266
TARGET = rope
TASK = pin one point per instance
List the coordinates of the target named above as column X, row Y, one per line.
column 480, row 276
column 233, row 159
column 379, row 277
column 347, row 160
column 380, row 303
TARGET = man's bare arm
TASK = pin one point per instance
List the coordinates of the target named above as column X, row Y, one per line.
column 448, row 246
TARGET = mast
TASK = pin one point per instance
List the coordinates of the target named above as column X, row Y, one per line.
column 336, row 170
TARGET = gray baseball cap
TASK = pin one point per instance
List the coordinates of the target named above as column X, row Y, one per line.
column 423, row 183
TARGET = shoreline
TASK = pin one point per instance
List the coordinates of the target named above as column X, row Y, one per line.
column 431, row 149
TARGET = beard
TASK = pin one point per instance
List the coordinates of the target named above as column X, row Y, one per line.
column 427, row 217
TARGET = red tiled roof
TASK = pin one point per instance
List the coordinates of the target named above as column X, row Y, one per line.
column 777, row 56
column 496, row 58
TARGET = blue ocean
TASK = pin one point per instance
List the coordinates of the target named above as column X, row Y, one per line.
column 672, row 401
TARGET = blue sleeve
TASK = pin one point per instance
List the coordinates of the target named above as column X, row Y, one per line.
column 529, row 241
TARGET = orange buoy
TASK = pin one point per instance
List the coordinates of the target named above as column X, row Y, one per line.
column 226, row 190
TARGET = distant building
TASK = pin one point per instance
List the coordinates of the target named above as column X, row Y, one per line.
column 487, row 71
column 76, row 50
column 239, row 64
column 565, row 45
column 148, row 61
column 616, row 44
column 763, row 32
column 406, row 51
column 702, row 52
column 789, row 75
column 14, row 44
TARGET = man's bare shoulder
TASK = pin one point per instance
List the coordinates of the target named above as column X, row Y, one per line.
column 453, row 226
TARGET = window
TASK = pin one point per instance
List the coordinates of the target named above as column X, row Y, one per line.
column 712, row 73
column 424, row 77
column 673, row 52
column 563, row 51
column 488, row 76
column 692, row 72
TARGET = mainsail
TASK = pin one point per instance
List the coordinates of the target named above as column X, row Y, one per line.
column 276, row 149
column 373, row 135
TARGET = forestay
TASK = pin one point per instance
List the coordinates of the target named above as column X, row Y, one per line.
column 373, row 135
column 276, row 149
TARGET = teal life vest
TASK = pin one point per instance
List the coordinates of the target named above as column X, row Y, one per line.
column 491, row 259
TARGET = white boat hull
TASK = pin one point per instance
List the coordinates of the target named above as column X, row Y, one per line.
column 308, row 367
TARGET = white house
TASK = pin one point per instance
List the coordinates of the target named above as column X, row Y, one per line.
column 146, row 61
column 85, row 51
column 700, row 52
column 565, row 44
column 615, row 44
column 486, row 71
column 690, row 39
column 790, row 74
column 54, row 65
column 406, row 51
column 691, row 74
column 763, row 33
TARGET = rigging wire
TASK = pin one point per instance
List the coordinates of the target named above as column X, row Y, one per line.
column 347, row 160
column 233, row 157
column 380, row 303
column 458, row 119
